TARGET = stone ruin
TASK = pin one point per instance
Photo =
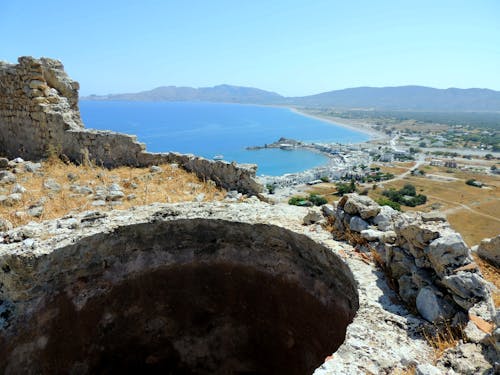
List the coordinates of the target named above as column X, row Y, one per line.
column 39, row 115
column 216, row 287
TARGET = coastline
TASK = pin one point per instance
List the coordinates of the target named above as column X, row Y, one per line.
column 337, row 121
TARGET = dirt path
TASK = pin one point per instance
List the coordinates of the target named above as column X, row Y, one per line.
column 462, row 206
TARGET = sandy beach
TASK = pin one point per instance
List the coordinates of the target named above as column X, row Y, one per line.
column 345, row 123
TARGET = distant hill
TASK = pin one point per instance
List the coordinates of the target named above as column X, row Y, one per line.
column 221, row 93
column 414, row 98
column 402, row 98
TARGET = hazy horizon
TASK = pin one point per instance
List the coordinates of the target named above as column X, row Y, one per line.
column 288, row 47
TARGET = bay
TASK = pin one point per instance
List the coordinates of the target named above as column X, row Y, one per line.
column 209, row 129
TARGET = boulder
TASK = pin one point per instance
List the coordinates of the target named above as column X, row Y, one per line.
column 357, row 224
column 433, row 216
column 361, row 205
column 417, row 234
column 385, row 218
column 372, row 234
column 447, row 253
column 466, row 285
column 432, row 306
column 489, row 250
column 4, row 163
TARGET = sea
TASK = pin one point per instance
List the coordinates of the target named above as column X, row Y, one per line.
column 209, row 129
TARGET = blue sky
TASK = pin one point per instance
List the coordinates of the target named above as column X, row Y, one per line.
column 291, row 47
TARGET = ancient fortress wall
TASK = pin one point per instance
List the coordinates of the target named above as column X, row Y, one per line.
column 39, row 115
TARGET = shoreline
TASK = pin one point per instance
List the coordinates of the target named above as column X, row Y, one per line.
column 338, row 121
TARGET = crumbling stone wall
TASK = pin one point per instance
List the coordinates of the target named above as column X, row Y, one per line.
column 39, row 115
column 430, row 264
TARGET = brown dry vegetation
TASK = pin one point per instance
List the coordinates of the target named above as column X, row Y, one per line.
column 171, row 185
column 473, row 212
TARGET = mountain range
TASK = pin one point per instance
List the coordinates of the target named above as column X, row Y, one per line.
column 400, row 98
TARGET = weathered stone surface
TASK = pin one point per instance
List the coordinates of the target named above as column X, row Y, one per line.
column 313, row 216
column 465, row 359
column 372, row 234
column 379, row 339
column 7, row 177
column 45, row 119
column 417, row 235
column 489, row 249
column 433, row 216
column 357, row 224
column 51, row 184
column 18, row 189
column 5, row 225
column 427, row 369
column 447, row 253
column 466, row 285
column 35, row 211
column 386, row 218
column 360, row 205
column 432, row 306
column 32, row 167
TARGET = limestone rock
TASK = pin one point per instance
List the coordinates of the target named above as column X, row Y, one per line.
column 448, row 253
column 417, row 235
column 32, row 167
column 199, row 198
column 465, row 359
column 433, row 216
column 385, row 218
column 372, row 234
column 155, row 169
column 428, row 369
column 51, row 184
column 360, row 205
column 4, row 163
column 5, row 225
column 18, row 189
column 432, row 306
column 7, row 177
column 489, row 249
column 312, row 216
column 466, row 285
column 357, row 224
column 35, row 211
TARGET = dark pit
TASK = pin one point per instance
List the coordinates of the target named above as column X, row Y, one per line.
column 187, row 297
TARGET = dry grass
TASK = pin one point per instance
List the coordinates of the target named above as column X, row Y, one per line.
column 492, row 274
column 171, row 185
column 443, row 337
column 471, row 211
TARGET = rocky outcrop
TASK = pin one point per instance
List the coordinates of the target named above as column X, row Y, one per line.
column 489, row 250
column 39, row 115
column 430, row 263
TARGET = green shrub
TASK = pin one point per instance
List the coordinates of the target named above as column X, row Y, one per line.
column 312, row 199
column 297, row 201
column 343, row 188
column 325, row 179
column 271, row 188
column 317, row 200
column 388, row 202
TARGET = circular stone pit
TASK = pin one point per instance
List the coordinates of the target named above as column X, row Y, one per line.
column 175, row 295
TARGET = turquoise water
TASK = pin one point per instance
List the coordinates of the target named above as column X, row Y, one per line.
column 208, row 129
